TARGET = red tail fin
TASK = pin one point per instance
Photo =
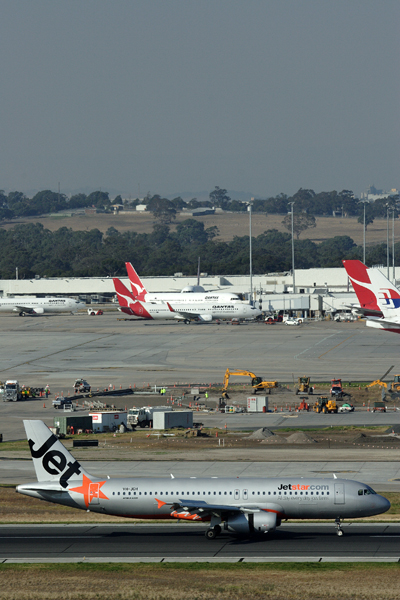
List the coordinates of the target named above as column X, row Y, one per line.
column 128, row 303
column 138, row 289
column 361, row 282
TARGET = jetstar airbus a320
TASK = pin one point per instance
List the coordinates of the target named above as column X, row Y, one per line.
column 238, row 505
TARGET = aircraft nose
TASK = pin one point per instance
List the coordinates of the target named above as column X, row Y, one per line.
column 384, row 504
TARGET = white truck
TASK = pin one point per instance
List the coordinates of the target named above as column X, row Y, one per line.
column 12, row 391
column 143, row 417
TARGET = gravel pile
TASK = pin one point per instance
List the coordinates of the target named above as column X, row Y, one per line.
column 261, row 434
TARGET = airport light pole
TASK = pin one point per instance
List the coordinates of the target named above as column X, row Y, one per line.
column 387, row 239
column 251, row 255
column 293, row 273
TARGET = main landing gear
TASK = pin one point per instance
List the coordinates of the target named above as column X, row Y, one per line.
column 212, row 532
column 339, row 530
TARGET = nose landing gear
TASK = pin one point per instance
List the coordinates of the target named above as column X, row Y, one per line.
column 339, row 530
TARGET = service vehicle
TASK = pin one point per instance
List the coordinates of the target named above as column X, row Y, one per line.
column 81, row 386
column 325, row 405
column 345, row 408
column 61, row 402
column 293, row 321
column 337, row 390
column 379, row 407
column 12, row 391
column 143, row 417
column 93, row 312
column 244, row 506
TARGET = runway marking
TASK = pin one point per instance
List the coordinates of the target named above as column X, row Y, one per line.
column 317, row 344
column 337, row 345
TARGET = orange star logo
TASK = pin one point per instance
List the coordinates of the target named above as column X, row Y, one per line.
column 160, row 503
column 90, row 490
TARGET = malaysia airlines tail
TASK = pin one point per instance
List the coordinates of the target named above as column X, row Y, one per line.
column 138, row 289
column 375, row 293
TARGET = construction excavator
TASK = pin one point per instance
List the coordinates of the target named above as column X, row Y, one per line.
column 394, row 385
column 257, row 382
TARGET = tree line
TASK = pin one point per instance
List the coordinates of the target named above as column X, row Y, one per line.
column 36, row 250
column 16, row 204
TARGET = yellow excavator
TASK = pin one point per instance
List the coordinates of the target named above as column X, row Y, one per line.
column 257, row 382
column 381, row 383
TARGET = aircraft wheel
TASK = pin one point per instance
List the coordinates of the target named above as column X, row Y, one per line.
column 339, row 532
column 211, row 534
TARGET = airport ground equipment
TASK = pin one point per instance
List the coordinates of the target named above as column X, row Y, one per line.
column 303, row 386
column 81, row 386
column 380, row 382
column 72, row 424
column 323, row 404
column 143, row 417
column 303, row 405
column 337, row 390
column 379, row 407
column 346, row 407
column 257, row 382
column 61, row 402
column 12, row 391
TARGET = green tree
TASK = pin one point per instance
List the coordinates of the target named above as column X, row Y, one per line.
column 220, row 198
column 301, row 222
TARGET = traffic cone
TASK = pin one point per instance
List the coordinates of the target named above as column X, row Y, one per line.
column 44, row 404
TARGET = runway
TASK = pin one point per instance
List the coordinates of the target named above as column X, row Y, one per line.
column 186, row 542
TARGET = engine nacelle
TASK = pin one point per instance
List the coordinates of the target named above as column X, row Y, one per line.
column 206, row 318
column 38, row 311
column 248, row 523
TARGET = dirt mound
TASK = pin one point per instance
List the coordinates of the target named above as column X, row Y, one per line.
column 300, row 438
column 261, row 434
column 360, row 439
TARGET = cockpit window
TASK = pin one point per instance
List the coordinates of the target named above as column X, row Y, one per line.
column 366, row 492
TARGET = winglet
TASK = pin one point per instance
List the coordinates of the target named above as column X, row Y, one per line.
column 170, row 307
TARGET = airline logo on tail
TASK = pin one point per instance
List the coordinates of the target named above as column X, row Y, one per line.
column 373, row 289
column 138, row 289
column 128, row 303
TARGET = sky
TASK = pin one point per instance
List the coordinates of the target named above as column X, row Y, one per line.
column 179, row 96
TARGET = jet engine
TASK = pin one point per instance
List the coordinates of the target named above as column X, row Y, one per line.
column 206, row 318
column 38, row 311
column 248, row 523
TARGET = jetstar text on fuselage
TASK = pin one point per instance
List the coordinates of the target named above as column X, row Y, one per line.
column 300, row 486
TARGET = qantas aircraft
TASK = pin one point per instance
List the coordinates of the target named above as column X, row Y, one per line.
column 379, row 299
column 184, row 297
column 30, row 305
column 200, row 311
column 238, row 505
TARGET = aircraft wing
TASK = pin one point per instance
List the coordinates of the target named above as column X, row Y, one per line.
column 184, row 314
column 202, row 509
column 363, row 310
column 25, row 309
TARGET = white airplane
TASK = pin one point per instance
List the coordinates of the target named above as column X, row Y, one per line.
column 30, row 305
column 189, row 294
column 200, row 311
column 379, row 299
column 241, row 506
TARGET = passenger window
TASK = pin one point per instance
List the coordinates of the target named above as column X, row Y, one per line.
column 274, row 493
column 224, row 493
column 150, row 493
column 123, row 493
column 113, row 493
column 269, row 493
column 118, row 493
column 258, row 493
column 193, row 493
column 301, row 493
column 263, row 493
column 144, row 493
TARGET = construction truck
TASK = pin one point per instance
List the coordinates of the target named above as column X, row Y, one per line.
column 395, row 385
column 325, row 405
column 257, row 382
column 337, row 390
column 303, row 386
column 143, row 417
column 12, row 391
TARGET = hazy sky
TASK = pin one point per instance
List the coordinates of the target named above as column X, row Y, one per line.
column 264, row 96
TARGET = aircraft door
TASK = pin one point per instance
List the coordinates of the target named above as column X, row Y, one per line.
column 237, row 494
column 245, row 494
column 339, row 493
column 94, row 489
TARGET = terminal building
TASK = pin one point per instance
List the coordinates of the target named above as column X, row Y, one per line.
column 318, row 291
